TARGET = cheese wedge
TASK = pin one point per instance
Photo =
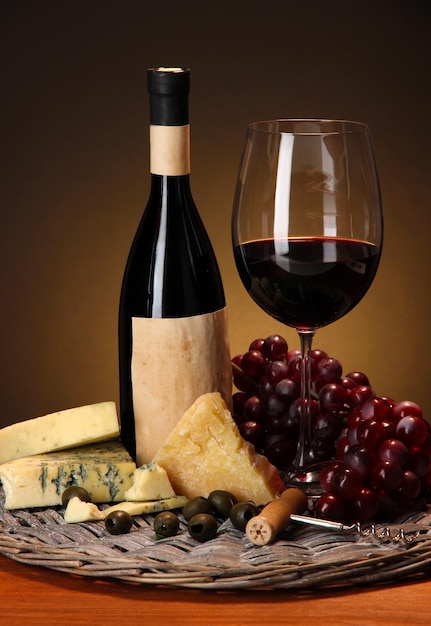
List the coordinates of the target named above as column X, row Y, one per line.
column 205, row 451
column 78, row 511
column 58, row 431
column 105, row 470
column 150, row 482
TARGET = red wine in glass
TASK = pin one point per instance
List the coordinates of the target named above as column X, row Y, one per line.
column 307, row 282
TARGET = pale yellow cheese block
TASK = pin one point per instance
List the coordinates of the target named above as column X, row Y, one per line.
column 205, row 451
column 58, row 431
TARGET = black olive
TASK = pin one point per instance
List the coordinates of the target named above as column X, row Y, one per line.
column 118, row 522
column 196, row 505
column 75, row 492
column 166, row 524
column 222, row 502
column 241, row 513
column 203, row 527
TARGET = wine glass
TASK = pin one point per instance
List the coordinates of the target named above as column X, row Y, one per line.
column 307, row 233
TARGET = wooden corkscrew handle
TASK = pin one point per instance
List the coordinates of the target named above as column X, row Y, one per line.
column 275, row 516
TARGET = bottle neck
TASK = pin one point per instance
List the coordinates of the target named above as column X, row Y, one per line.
column 170, row 150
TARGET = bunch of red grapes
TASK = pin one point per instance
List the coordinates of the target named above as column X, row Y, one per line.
column 375, row 453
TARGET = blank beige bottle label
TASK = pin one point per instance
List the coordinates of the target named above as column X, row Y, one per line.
column 170, row 150
column 174, row 361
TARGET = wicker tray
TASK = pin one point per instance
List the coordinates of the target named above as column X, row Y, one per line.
column 304, row 558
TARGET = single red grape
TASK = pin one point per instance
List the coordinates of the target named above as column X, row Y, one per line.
column 359, row 378
column 254, row 409
column 253, row 364
column 347, row 482
column 347, row 383
column 393, row 450
column 280, row 453
column 274, row 405
column 251, row 431
column 257, row 344
column 387, row 475
column 376, row 408
column 292, row 353
column 327, row 426
column 275, row 348
column 316, row 355
column 294, row 365
column 328, row 370
column 359, row 394
column 276, row 371
column 332, row 397
column 363, row 508
column 406, row 408
column 371, row 433
column 238, row 401
column 360, row 459
column 327, row 473
column 409, row 488
column 412, row 430
column 331, row 506
column 288, row 390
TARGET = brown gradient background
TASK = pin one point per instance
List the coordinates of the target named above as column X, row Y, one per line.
column 74, row 163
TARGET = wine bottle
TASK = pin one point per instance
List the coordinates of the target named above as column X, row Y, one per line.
column 173, row 339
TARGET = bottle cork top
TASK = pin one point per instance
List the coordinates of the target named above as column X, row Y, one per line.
column 168, row 88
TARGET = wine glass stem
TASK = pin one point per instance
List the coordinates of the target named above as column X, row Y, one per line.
column 304, row 453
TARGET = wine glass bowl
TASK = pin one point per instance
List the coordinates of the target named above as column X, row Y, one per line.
column 307, row 230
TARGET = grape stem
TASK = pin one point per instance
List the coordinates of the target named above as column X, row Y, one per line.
column 237, row 370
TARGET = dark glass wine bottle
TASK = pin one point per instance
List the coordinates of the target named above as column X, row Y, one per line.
column 173, row 340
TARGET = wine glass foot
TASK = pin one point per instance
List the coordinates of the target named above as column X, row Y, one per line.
column 306, row 479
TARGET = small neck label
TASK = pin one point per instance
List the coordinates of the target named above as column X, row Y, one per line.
column 170, row 150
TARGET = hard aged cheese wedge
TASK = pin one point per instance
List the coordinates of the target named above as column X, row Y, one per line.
column 58, row 431
column 205, row 451
column 150, row 482
column 105, row 470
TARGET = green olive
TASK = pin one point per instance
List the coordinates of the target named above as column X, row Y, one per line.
column 222, row 502
column 75, row 492
column 118, row 522
column 196, row 505
column 241, row 513
column 166, row 524
column 203, row 527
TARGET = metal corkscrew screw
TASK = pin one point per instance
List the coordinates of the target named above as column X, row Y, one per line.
column 382, row 533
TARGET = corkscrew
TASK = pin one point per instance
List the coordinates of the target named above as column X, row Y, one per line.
column 382, row 533
column 278, row 515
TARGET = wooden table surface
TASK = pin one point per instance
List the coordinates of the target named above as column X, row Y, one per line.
column 31, row 595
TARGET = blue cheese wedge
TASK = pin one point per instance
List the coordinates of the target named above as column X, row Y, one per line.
column 77, row 511
column 150, row 482
column 144, row 508
column 105, row 470
column 58, row 431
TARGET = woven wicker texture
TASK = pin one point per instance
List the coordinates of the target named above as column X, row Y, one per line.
column 304, row 558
